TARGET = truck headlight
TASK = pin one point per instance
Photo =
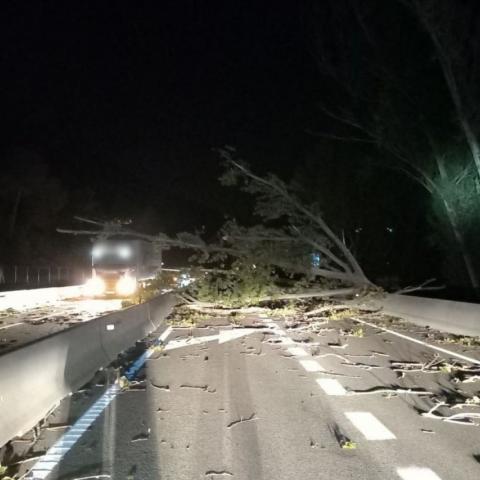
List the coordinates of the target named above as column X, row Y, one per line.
column 126, row 286
column 94, row 286
column 98, row 251
column 124, row 252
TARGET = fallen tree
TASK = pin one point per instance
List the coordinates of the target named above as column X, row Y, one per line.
column 303, row 232
column 290, row 253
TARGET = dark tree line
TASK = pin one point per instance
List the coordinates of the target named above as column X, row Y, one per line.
column 33, row 201
column 401, row 83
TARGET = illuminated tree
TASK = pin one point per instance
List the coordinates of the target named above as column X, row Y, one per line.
column 393, row 100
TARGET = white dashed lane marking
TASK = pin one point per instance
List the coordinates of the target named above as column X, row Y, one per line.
column 370, row 426
column 331, row 386
column 297, row 352
column 417, row 473
column 311, row 366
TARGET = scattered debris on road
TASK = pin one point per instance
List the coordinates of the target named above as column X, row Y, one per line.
column 242, row 420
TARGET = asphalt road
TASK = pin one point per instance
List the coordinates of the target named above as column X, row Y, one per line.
column 267, row 405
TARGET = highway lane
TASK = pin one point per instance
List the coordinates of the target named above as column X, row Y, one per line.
column 268, row 406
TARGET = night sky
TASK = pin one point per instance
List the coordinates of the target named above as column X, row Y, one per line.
column 127, row 102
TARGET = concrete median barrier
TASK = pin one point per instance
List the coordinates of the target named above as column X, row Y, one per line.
column 36, row 376
column 459, row 318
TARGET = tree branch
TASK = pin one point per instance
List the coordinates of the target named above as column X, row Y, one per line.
column 316, row 219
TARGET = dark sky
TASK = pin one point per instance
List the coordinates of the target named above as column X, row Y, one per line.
column 128, row 98
column 125, row 101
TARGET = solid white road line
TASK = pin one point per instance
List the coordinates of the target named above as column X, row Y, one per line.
column 476, row 361
column 297, row 352
column 311, row 366
column 417, row 473
column 165, row 334
column 370, row 426
column 10, row 325
column 331, row 386
column 44, row 467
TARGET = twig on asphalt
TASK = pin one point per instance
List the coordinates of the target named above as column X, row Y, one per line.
column 338, row 374
column 459, row 418
column 422, row 287
column 434, row 409
column 350, row 355
column 380, row 354
column 28, row 459
column 242, row 420
column 327, row 308
column 363, row 366
column 62, row 426
column 217, row 473
column 394, row 391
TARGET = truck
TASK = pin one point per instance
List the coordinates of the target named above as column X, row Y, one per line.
column 120, row 266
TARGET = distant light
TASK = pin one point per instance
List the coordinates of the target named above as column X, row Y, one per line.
column 185, row 280
column 390, row 229
column 124, row 251
column 98, row 251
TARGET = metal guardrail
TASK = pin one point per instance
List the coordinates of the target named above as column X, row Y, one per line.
column 35, row 377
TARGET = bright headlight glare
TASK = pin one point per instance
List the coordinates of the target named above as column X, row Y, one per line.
column 124, row 251
column 97, row 251
column 126, row 286
column 94, row 286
